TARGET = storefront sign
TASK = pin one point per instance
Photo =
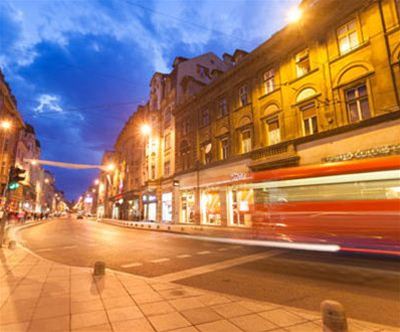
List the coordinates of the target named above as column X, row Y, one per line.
column 381, row 151
column 237, row 176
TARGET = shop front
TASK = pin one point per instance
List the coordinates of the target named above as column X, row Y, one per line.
column 150, row 206
column 211, row 206
column 187, row 207
column 240, row 204
column 167, row 207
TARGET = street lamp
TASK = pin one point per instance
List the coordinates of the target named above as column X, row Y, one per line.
column 294, row 15
column 5, row 124
column 110, row 167
column 145, row 129
column 96, row 182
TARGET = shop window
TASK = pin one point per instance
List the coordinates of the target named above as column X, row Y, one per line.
column 246, row 140
column 347, row 36
column 274, row 132
column 205, row 117
column 310, row 120
column 357, row 103
column 243, row 95
column 167, row 141
column 303, row 63
column 269, row 81
column 222, row 108
column 211, row 207
column 187, row 207
column 224, row 148
column 242, row 200
column 167, row 168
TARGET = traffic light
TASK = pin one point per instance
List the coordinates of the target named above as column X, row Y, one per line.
column 16, row 176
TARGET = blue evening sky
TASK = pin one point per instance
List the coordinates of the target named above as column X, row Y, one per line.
column 80, row 68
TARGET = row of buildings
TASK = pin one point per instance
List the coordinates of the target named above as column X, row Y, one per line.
column 37, row 194
column 323, row 89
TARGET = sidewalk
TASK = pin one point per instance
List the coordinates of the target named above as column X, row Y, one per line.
column 39, row 295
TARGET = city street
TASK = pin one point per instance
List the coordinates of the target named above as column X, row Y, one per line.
column 367, row 287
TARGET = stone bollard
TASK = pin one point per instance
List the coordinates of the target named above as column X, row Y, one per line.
column 99, row 269
column 333, row 317
column 12, row 245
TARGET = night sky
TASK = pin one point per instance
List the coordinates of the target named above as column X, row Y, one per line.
column 79, row 68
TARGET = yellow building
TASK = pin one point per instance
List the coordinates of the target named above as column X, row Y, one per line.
column 325, row 88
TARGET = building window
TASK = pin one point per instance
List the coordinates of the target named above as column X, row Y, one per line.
column 205, row 151
column 224, row 148
column 205, row 117
column 347, row 37
column 152, row 172
column 274, row 132
column 310, row 121
column 269, row 81
column 246, row 140
column 167, row 168
column 222, row 108
column 185, row 127
column 357, row 103
column 243, row 95
column 167, row 141
column 302, row 63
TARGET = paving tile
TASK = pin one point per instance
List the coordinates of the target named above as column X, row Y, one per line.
column 117, row 302
column 186, row 329
column 17, row 327
column 88, row 319
column 282, row 318
column 212, row 299
column 201, row 315
column 172, row 294
column 306, row 314
column 302, row 327
column 125, row 313
column 51, row 301
column 156, row 308
column 50, row 324
column 97, row 328
column 12, row 315
column 218, row 326
column 169, row 321
column 51, row 311
column 86, row 306
column 253, row 323
column 257, row 306
column 133, row 325
column 163, row 286
column 186, row 303
column 232, row 309
column 147, row 297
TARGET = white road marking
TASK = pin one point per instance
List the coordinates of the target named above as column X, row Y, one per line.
column 170, row 277
column 43, row 250
column 205, row 252
column 69, row 247
column 184, row 256
column 160, row 260
column 126, row 266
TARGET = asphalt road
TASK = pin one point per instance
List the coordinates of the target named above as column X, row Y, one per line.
column 368, row 287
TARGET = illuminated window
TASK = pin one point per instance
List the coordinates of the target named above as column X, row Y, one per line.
column 205, row 117
column 357, row 103
column 269, row 81
column 347, row 37
column 246, row 140
column 224, row 148
column 222, row 108
column 274, row 133
column 302, row 63
column 243, row 95
column 310, row 121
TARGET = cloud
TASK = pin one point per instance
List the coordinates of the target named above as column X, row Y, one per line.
column 48, row 103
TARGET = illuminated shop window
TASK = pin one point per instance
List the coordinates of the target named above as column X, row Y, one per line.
column 357, row 103
column 347, row 37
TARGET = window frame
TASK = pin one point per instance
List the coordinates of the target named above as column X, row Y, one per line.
column 268, row 121
column 358, row 100
column 224, row 149
column 205, row 117
column 250, row 139
column 243, row 91
column 269, row 77
column 222, row 114
column 309, row 119
column 302, row 59
column 346, row 35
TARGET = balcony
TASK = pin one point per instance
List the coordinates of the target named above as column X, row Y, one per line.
column 279, row 155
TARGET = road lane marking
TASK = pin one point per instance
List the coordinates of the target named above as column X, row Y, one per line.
column 126, row 266
column 205, row 252
column 170, row 277
column 68, row 247
column 44, row 249
column 160, row 260
column 184, row 256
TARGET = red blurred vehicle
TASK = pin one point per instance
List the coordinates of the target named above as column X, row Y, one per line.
column 353, row 204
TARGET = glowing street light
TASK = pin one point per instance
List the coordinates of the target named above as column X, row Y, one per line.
column 146, row 129
column 294, row 15
column 110, row 167
column 96, row 182
column 5, row 124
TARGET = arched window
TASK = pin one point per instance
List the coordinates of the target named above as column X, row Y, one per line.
column 305, row 94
